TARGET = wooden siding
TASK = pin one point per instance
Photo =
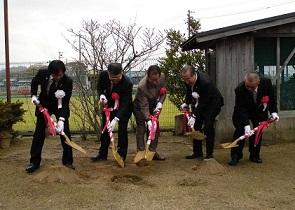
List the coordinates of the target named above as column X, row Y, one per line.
column 234, row 57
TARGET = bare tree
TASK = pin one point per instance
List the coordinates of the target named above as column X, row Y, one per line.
column 100, row 44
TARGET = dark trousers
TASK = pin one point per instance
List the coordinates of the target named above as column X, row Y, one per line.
column 237, row 152
column 205, row 123
column 122, row 145
column 38, row 141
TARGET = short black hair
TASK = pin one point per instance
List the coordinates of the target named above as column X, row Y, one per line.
column 153, row 69
column 115, row 68
column 55, row 66
column 188, row 67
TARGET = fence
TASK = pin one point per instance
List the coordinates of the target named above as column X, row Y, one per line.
column 20, row 88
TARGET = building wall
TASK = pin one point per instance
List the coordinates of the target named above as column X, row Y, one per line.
column 234, row 57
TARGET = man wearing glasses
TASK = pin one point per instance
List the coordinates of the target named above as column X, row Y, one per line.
column 206, row 102
column 254, row 99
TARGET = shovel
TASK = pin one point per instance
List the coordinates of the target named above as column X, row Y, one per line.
column 116, row 155
column 73, row 144
column 147, row 154
column 235, row 142
column 51, row 125
column 198, row 135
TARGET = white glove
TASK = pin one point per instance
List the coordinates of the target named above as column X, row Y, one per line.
column 184, row 106
column 158, row 107
column 191, row 121
column 112, row 125
column 149, row 124
column 35, row 100
column 103, row 99
column 60, row 126
column 248, row 131
column 275, row 116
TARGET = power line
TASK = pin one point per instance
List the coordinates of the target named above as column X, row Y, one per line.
column 224, row 5
column 248, row 11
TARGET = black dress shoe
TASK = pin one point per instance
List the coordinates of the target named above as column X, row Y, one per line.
column 32, row 167
column 158, row 157
column 98, row 158
column 193, row 156
column 70, row 166
column 208, row 157
column 234, row 161
column 255, row 160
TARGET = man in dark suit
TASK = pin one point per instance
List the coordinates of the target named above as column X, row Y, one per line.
column 54, row 84
column 206, row 102
column 109, row 82
column 250, row 107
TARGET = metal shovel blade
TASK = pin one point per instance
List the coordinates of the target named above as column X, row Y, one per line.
column 149, row 155
column 196, row 135
column 230, row 145
column 139, row 156
column 73, row 144
column 117, row 156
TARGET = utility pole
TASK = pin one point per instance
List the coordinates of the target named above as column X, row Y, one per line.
column 79, row 48
column 60, row 55
column 7, row 63
column 189, row 23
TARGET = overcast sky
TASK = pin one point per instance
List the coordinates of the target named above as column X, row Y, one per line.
column 37, row 27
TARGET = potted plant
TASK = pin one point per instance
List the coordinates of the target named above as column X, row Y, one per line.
column 10, row 114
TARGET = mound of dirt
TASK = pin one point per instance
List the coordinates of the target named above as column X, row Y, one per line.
column 210, row 166
column 57, row 174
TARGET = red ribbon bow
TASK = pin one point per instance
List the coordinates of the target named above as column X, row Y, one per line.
column 163, row 91
column 265, row 100
column 116, row 98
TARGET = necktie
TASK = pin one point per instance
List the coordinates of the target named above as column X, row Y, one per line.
column 49, row 85
column 255, row 96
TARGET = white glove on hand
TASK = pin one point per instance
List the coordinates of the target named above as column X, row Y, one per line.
column 112, row 125
column 248, row 131
column 183, row 106
column 275, row 116
column 191, row 121
column 60, row 126
column 158, row 107
column 35, row 100
column 149, row 124
column 103, row 99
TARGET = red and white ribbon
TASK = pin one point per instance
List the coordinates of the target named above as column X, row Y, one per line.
column 116, row 98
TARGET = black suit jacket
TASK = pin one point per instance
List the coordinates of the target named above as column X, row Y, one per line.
column 245, row 107
column 210, row 99
column 123, row 88
column 66, row 84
